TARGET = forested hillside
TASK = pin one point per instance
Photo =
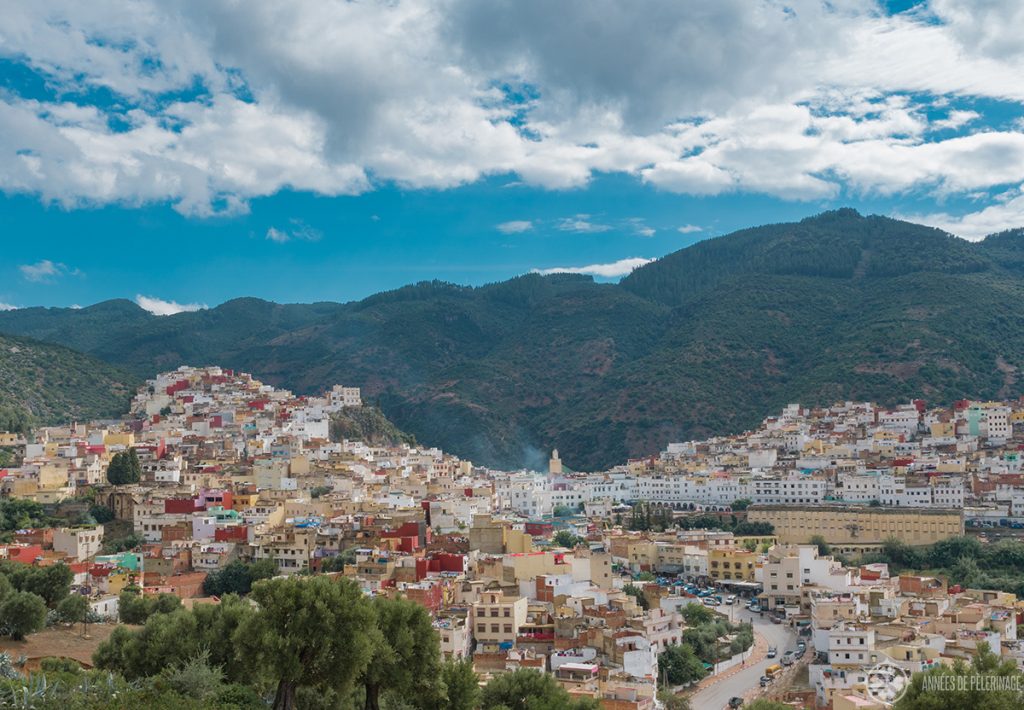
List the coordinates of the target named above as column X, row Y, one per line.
column 706, row 340
column 42, row 383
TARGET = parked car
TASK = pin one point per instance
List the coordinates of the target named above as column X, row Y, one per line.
column 731, row 599
column 801, row 645
column 735, row 702
column 772, row 652
column 765, row 680
column 711, row 601
column 787, row 658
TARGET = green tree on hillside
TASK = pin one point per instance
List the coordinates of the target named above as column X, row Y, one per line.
column 678, row 665
column 15, row 420
column 766, row 704
column 312, row 632
column 564, row 538
column 406, row 655
column 52, row 583
column 238, row 577
column 22, row 613
column 134, row 608
column 101, row 514
column 697, row 615
column 461, row 685
column 819, row 542
column 671, row 701
column 18, row 513
column 174, row 637
column 74, row 609
column 966, row 685
column 527, row 689
column 637, row 593
column 758, row 529
column 124, row 468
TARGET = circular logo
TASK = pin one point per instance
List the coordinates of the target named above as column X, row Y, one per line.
column 887, row 683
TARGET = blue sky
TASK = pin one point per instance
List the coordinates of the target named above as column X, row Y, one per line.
column 191, row 155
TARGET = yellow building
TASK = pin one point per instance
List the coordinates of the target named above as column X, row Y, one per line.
column 495, row 537
column 53, row 475
column 241, row 501
column 119, row 438
column 859, row 525
column 18, row 487
column 733, row 564
column 518, row 542
column 522, row 567
column 943, row 429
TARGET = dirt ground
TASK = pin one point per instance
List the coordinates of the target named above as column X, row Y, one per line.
column 61, row 641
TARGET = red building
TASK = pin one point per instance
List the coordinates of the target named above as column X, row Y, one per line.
column 180, row 506
column 411, row 536
column 231, row 533
column 25, row 554
column 426, row 594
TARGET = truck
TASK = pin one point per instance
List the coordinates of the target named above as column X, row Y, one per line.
column 773, row 671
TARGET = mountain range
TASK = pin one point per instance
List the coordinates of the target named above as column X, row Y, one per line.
column 706, row 340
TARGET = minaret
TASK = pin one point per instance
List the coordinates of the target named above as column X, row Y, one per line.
column 555, row 464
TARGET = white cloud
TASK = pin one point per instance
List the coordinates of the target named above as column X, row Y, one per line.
column 800, row 99
column 297, row 231
column 46, row 271
column 989, row 26
column 515, row 226
column 641, row 228
column 689, row 229
column 7, row 307
column 581, row 223
column 955, row 120
column 1006, row 213
column 160, row 307
column 609, row 271
column 276, row 235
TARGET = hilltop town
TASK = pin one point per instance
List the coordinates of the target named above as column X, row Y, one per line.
column 787, row 562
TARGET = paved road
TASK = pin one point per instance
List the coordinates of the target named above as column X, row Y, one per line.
column 717, row 695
